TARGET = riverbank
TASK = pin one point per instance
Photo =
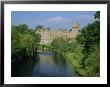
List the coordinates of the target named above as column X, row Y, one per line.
column 75, row 59
column 73, row 63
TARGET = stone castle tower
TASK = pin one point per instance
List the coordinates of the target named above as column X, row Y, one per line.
column 74, row 31
column 47, row 36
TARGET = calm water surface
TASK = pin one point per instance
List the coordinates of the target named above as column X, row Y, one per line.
column 46, row 64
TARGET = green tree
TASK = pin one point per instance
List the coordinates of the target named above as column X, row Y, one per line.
column 59, row 45
column 90, row 35
column 97, row 15
column 24, row 41
column 39, row 27
column 90, row 41
column 22, row 28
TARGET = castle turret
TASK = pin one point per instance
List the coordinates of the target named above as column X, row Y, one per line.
column 74, row 31
column 75, row 27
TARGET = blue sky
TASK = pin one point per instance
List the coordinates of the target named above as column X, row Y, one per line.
column 52, row 19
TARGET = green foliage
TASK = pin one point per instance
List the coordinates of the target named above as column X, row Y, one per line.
column 39, row 27
column 59, row 45
column 97, row 15
column 91, row 66
column 90, row 42
column 83, row 52
column 93, row 60
column 42, row 27
column 24, row 41
column 90, row 36
column 75, row 58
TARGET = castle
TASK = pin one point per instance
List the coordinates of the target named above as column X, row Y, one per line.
column 48, row 35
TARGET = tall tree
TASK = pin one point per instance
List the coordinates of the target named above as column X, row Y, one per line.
column 23, row 41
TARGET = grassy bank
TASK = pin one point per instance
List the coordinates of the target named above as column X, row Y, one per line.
column 90, row 68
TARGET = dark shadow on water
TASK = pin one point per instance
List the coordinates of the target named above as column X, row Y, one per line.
column 22, row 67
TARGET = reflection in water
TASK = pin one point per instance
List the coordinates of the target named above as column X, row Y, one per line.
column 45, row 64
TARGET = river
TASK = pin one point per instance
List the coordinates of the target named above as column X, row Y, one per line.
column 46, row 64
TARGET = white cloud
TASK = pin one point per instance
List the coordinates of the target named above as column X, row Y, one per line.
column 57, row 19
column 60, row 21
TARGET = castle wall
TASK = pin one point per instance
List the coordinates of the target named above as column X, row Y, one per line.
column 48, row 36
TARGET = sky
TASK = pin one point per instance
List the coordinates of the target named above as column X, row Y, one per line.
column 52, row 19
